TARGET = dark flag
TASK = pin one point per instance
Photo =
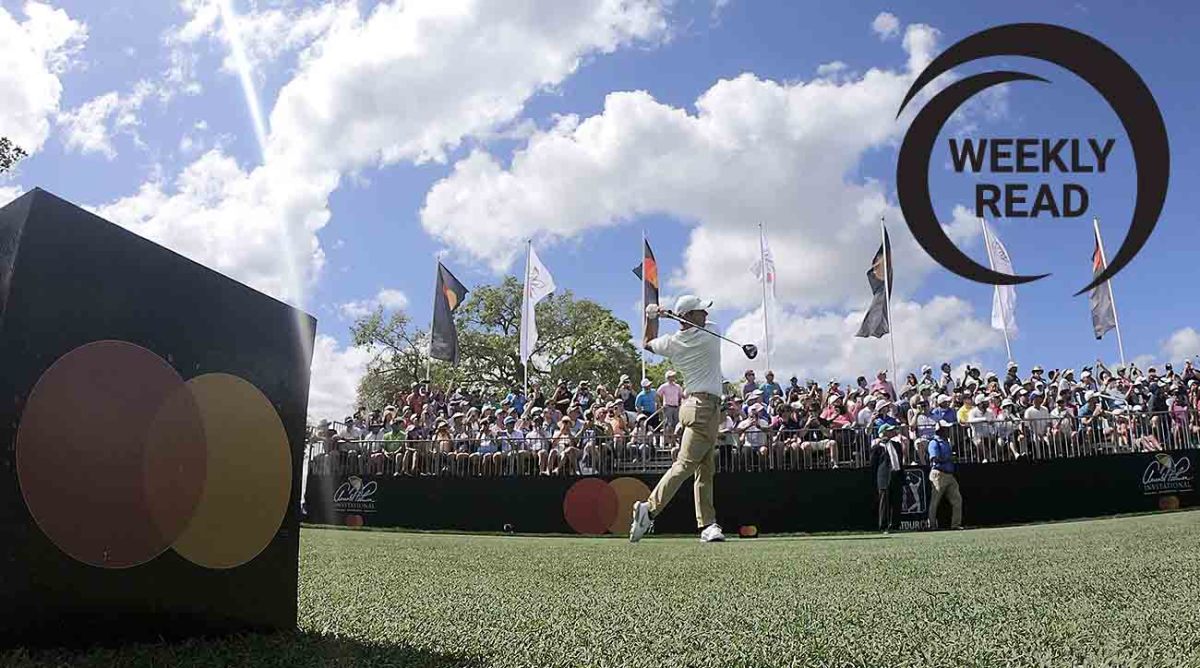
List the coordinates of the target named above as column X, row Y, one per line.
column 649, row 269
column 876, row 323
column 1104, row 317
column 446, row 298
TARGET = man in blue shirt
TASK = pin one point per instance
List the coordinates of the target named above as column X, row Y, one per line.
column 646, row 402
column 941, row 477
column 943, row 412
column 770, row 388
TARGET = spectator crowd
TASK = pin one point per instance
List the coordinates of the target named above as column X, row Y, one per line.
column 572, row 429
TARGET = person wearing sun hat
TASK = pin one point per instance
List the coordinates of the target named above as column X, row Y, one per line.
column 941, row 477
column 888, row 467
column 697, row 354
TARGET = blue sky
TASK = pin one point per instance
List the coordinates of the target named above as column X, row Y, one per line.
column 398, row 131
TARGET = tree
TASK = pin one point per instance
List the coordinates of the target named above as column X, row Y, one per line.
column 400, row 357
column 578, row 339
column 10, row 154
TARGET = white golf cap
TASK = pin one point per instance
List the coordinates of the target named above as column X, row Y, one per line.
column 691, row 303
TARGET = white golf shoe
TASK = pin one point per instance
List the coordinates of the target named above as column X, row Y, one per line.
column 642, row 524
column 712, row 534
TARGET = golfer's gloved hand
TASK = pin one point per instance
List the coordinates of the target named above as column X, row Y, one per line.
column 652, row 311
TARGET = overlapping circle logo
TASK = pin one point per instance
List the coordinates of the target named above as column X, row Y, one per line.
column 593, row 506
column 1101, row 67
column 120, row 459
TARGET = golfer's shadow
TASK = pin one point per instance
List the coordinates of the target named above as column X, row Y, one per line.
column 299, row 648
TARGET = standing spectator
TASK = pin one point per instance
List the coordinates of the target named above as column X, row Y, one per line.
column 646, row 403
column 946, row 382
column 1011, row 378
column 885, row 462
column 627, row 396
column 670, row 395
column 771, row 389
column 941, row 478
column 883, row 386
column 751, row 385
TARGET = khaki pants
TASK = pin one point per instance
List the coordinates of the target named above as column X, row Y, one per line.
column 945, row 484
column 697, row 455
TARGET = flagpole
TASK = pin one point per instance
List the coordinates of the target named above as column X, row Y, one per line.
column 987, row 245
column 437, row 263
column 642, row 318
column 526, row 312
column 887, row 294
column 1112, row 300
column 762, row 270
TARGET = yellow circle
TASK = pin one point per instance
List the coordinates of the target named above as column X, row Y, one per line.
column 249, row 480
column 628, row 490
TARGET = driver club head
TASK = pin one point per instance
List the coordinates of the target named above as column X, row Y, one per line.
column 751, row 350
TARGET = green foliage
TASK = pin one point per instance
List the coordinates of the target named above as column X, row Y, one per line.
column 578, row 339
column 10, row 154
column 1117, row 592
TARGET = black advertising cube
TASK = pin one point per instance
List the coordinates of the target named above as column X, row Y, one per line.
column 152, row 424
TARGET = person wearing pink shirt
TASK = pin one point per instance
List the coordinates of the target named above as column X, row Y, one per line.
column 670, row 396
column 882, row 384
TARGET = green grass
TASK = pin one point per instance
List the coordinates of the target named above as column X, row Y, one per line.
column 1116, row 592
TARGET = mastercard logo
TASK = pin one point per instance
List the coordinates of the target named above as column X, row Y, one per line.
column 595, row 507
column 119, row 459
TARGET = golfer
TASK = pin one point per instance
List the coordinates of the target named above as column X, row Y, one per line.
column 697, row 355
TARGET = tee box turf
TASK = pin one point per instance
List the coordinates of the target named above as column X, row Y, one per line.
column 152, row 424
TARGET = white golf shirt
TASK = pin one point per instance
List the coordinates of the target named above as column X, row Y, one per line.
column 697, row 355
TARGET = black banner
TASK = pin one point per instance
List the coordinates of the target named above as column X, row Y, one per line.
column 774, row 501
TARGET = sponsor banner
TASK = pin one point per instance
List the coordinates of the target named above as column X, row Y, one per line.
column 1168, row 474
column 355, row 496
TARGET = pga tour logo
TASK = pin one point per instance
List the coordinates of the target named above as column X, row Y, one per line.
column 1167, row 474
column 355, row 496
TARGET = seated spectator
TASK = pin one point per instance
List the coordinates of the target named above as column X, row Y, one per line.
column 564, row 458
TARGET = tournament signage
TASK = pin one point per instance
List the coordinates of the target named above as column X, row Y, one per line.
column 1032, row 176
column 1166, row 474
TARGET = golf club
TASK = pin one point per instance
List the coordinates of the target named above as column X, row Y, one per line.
column 749, row 349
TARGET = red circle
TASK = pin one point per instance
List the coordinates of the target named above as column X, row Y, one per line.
column 590, row 506
column 107, row 453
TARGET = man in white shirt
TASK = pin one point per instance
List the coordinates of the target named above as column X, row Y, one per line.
column 698, row 355
column 1037, row 420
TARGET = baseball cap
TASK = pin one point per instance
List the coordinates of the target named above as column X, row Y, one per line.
column 980, row 398
column 645, row 382
column 691, row 303
column 943, row 398
column 886, row 427
column 926, row 367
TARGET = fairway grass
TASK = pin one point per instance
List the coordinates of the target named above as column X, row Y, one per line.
column 1115, row 592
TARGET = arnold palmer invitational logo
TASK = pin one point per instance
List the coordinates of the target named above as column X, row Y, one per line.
column 1020, row 161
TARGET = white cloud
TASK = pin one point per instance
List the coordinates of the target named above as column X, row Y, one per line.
column 824, row 344
column 267, row 34
column 392, row 300
column 33, row 53
column 256, row 226
column 1182, row 343
column 336, row 372
column 886, row 25
column 755, row 151
column 406, row 82
column 831, row 69
column 87, row 128
column 9, row 193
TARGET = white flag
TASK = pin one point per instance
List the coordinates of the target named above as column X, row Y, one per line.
column 766, row 262
column 538, row 285
column 1004, row 298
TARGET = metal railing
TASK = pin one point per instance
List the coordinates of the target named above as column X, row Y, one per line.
column 756, row 449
